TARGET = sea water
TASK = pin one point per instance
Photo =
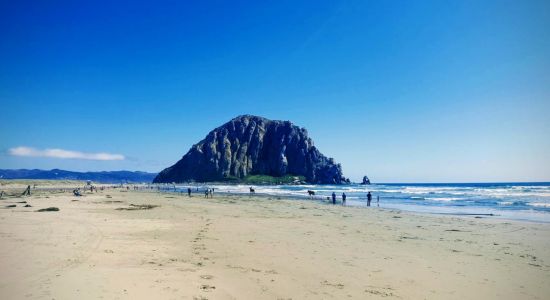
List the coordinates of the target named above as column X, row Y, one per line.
column 520, row 201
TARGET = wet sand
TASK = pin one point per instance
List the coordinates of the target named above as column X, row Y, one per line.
column 119, row 244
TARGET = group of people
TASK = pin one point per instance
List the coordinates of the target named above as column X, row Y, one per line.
column 208, row 193
column 369, row 199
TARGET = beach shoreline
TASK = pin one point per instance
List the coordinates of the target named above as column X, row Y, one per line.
column 130, row 244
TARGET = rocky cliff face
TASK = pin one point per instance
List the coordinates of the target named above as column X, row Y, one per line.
column 251, row 145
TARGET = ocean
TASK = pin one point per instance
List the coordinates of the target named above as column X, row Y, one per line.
column 516, row 201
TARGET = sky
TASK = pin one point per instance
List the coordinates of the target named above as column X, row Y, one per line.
column 401, row 91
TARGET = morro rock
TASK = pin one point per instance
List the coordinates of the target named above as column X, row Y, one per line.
column 252, row 145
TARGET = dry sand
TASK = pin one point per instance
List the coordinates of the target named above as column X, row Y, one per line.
column 234, row 247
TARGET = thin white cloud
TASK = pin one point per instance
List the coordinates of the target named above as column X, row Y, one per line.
column 64, row 154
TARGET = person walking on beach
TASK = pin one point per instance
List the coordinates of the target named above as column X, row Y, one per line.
column 369, row 198
column 206, row 193
column 333, row 198
column 189, row 191
column 343, row 198
column 27, row 191
column 377, row 201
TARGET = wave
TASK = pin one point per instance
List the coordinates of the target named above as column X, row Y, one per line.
column 445, row 199
column 438, row 193
column 539, row 204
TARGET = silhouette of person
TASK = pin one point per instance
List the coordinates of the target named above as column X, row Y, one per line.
column 344, row 198
column 27, row 191
column 189, row 191
column 369, row 198
column 333, row 198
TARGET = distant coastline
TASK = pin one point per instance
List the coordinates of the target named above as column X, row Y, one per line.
column 58, row 174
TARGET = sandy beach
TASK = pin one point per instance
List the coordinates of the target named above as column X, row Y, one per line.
column 108, row 245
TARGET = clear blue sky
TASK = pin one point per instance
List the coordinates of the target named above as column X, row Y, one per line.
column 404, row 91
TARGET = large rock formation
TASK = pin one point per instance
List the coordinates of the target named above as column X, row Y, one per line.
column 251, row 145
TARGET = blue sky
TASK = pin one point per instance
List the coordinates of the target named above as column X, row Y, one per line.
column 404, row 91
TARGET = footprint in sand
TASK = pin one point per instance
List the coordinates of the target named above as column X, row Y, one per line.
column 207, row 288
column 186, row 270
column 336, row 285
column 379, row 293
column 207, row 277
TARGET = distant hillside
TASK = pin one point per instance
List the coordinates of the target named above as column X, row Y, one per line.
column 105, row 176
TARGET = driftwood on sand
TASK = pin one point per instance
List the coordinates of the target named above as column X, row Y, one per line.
column 48, row 209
